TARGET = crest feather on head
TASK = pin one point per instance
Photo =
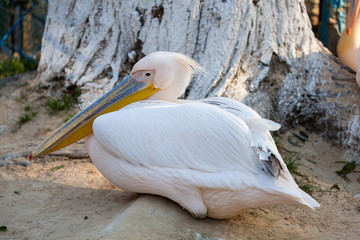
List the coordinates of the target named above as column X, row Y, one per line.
column 153, row 60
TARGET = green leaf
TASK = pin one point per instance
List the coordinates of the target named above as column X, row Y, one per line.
column 14, row 66
column 304, row 134
column 294, row 142
column 302, row 137
column 348, row 168
column 3, row 228
column 291, row 161
column 56, row 168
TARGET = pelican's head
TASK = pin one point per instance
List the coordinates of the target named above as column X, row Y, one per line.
column 160, row 76
column 172, row 73
column 352, row 15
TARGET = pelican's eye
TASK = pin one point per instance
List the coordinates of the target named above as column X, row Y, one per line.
column 143, row 75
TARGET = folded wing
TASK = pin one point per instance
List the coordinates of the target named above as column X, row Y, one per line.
column 261, row 140
column 191, row 135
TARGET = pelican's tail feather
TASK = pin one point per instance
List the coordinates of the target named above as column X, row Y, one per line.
column 309, row 201
column 287, row 189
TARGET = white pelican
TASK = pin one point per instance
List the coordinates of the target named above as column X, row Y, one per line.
column 348, row 48
column 213, row 156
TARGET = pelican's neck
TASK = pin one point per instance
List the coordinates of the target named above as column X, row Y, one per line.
column 177, row 87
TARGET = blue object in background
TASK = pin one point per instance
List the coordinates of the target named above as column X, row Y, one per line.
column 5, row 44
column 327, row 8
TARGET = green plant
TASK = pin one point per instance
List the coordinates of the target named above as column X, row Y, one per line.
column 280, row 147
column 23, row 119
column 68, row 117
column 348, row 168
column 54, row 105
column 21, row 97
column 66, row 102
column 56, row 168
column 27, row 108
column 291, row 161
column 22, row 84
column 14, row 66
column 26, row 117
column 306, row 187
column 277, row 142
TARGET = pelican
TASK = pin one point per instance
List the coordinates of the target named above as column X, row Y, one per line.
column 349, row 42
column 213, row 156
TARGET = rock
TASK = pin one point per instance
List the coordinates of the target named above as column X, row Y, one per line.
column 138, row 221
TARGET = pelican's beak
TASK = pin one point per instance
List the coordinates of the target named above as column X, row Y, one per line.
column 128, row 91
column 352, row 14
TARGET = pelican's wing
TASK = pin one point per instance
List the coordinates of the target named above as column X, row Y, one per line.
column 192, row 135
column 247, row 114
column 261, row 139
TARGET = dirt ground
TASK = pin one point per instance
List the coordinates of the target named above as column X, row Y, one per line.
column 63, row 196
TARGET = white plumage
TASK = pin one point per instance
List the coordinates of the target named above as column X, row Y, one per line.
column 214, row 156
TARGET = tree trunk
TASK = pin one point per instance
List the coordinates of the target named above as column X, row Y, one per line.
column 260, row 52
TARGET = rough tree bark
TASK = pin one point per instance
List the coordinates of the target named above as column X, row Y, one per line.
column 260, row 52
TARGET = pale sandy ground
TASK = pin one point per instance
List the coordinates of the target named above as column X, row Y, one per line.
column 76, row 202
